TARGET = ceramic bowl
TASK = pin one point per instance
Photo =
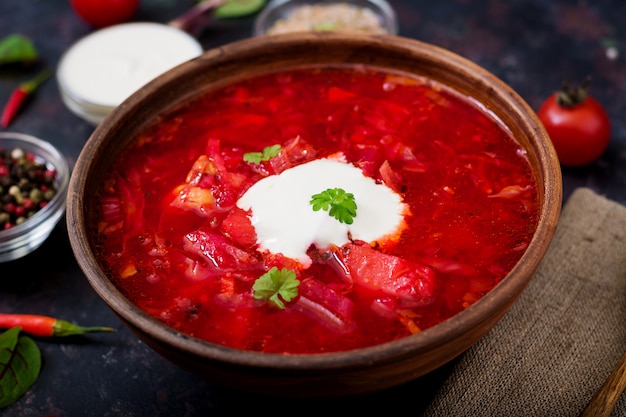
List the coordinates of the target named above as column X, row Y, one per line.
column 22, row 239
column 351, row 372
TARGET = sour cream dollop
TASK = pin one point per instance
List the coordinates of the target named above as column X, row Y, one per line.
column 284, row 219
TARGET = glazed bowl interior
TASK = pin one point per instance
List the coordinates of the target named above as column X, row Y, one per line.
column 349, row 372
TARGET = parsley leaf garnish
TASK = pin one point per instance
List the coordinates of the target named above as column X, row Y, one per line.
column 275, row 284
column 337, row 202
column 258, row 157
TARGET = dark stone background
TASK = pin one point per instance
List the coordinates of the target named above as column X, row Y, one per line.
column 533, row 45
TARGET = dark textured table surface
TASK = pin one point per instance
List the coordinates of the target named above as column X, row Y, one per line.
column 533, row 45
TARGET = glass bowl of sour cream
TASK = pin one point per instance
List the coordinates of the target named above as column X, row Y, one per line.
column 101, row 70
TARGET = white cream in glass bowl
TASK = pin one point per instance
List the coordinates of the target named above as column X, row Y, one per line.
column 101, row 70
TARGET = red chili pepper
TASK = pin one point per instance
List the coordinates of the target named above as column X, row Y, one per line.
column 46, row 326
column 20, row 95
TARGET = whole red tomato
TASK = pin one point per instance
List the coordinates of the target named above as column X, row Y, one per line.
column 100, row 13
column 577, row 124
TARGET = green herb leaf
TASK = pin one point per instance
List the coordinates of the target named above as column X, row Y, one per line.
column 275, row 284
column 17, row 49
column 258, row 157
column 20, row 363
column 337, row 202
column 238, row 8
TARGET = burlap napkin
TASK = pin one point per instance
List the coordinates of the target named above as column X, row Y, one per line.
column 554, row 348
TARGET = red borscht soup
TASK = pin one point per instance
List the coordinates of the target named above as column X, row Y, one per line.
column 316, row 210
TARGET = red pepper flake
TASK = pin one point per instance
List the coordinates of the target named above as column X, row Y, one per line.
column 20, row 95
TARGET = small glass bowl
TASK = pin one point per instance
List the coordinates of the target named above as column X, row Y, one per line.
column 280, row 10
column 20, row 240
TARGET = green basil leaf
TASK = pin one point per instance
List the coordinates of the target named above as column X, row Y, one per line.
column 17, row 48
column 238, row 8
column 20, row 363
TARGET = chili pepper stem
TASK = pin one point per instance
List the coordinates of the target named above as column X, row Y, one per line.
column 64, row 328
column 31, row 85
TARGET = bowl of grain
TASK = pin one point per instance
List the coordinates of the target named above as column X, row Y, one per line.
column 285, row 16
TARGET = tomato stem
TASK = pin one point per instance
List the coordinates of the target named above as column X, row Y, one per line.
column 571, row 96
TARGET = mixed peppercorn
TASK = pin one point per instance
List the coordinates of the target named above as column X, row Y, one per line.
column 26, row 186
